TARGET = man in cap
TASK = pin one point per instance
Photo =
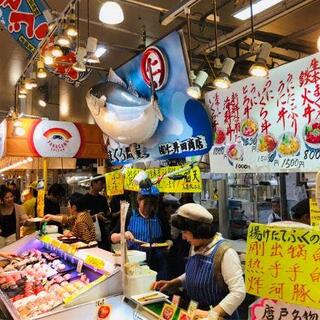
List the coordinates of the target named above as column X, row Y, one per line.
column 145, row 228
column 275, row 214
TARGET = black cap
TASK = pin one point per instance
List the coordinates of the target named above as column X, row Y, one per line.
column 301, row 208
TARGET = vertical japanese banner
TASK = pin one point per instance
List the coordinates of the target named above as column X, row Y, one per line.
column 283, row 264
column 25, row 20
column 114, row 183
column 40, row 203
column 270, row 124
column 314, row 213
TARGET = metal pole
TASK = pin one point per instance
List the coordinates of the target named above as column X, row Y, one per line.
column 224, row 225
column 283, row 196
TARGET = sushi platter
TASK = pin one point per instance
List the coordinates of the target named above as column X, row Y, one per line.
column 41, row 281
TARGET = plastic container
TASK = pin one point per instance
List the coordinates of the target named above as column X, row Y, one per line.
column 52, row 229
column 139, row 284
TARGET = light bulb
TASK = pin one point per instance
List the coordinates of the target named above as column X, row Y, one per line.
column 41, row 74
column 72, row 31
column 48, row 59
column 259, row 70
column 29, row 85
column 222, row 82
column 63, row 41
column 22, row 95
column 19, row 131
column 111, row 13
column 194, row 92
column 56, row 51
column 42, row 103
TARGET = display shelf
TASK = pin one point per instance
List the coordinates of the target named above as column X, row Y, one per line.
column 101, row 283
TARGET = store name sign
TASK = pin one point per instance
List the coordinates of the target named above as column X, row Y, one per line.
column 56, row 139
column 270, row 124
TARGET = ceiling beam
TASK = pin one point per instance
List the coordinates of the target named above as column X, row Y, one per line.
column 261, row 21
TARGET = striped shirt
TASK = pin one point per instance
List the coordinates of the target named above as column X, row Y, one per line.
column 81, row 226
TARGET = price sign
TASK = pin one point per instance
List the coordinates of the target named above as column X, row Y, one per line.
column 46, row 239
column 95, row 262
column 56, row 243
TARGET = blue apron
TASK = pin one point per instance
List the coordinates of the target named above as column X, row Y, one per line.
column 149, row 230
column 201, row 284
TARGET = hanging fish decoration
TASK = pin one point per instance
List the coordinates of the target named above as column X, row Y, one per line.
column 121, row 113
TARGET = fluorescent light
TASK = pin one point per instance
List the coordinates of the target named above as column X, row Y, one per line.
column 101, row 51
column 257, row 7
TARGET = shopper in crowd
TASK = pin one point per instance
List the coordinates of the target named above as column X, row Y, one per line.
column 97, row 205
column 186, row 198
column 29, row 204
column 12, row 216
column 15, row 191
column 213, row 274
column 275, row 214
column 179, row 251
column 239, row 223
column 149, row 225
column 79, row 220
column 301, row 212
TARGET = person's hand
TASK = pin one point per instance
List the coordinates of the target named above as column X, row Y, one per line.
column 8, row 255
column 48, row 217
column 170, row 244
column 162, row 285
column 199, row 314
column 128, row 235
column 67, row 233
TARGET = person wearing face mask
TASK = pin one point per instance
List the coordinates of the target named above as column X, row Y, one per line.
column 149, row 225
column 213, row 276
column 12, row 216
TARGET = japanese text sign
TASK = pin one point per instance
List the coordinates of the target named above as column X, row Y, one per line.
column 283, row 263
column 114, row 183
column 25, row 20
column 188, row 181
column 265, row 309
column 314, row 213
column 268, row 124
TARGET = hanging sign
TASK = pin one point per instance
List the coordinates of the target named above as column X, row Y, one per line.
column 141, row 124
column 114, row 183
column 186, row 181
column 270, row 124
column 25, row 20
column 314, row 213
column 283, row 264
column 266, row 309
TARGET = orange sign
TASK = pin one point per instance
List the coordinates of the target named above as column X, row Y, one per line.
column 54, row 139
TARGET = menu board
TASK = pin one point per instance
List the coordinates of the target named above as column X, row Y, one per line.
column 268, row 124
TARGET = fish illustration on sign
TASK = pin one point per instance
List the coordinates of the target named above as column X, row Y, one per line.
column 121, row 113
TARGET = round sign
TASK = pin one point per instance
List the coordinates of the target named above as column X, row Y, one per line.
column 159, row 67
column 56, row 139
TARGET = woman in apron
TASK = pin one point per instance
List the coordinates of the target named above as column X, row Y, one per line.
column 213, row 276
column 147, row 224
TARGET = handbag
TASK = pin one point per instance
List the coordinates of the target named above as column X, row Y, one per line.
column 97, row 227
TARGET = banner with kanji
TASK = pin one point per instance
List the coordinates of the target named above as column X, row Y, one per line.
column 268, row 124
column 114, row 183
column 283, row 263
column 185, row 181
column 25, row 20
column 267, row 309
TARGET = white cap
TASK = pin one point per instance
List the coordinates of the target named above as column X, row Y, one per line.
column 195, row 212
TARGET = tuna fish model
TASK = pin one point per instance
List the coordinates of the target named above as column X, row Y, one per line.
column 121, row 113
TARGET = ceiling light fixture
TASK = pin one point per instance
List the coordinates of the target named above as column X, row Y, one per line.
column 48, row 58
column 194, row 91
column 91, row 50
column 101, row 51
column 223, row 79
column 42, row 103
column 62, row 39
column 79, row 65
column 260, row 68
column 71, row 28
column 258, row 7
column 56, row 51
column 41, row 73
column 111, row 13
column 33, row 79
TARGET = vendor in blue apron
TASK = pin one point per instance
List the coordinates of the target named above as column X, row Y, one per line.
column 213, row 275
column 149, row 225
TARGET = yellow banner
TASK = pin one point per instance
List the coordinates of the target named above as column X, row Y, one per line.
column 314, row 213
column 114, row 183
column 283, row 263
column 186, row 181
column 95, row 262
column 40, row 203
